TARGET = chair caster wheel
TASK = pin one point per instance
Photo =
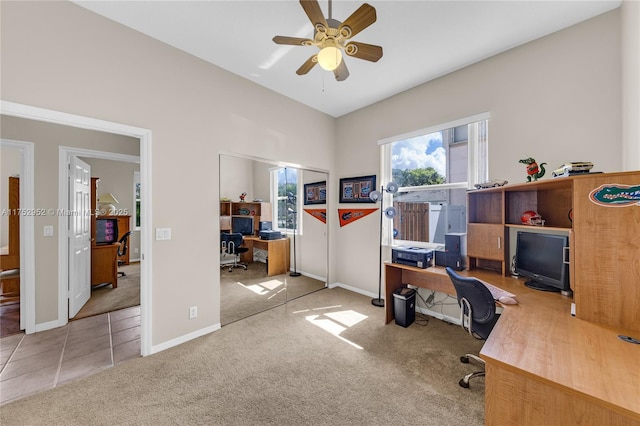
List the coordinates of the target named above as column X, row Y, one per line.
column 464, row 360
column 463, row 384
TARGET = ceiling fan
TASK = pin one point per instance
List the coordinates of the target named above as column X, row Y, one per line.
column 333, row 38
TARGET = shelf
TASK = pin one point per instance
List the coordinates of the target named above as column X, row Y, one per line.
column 548, row 228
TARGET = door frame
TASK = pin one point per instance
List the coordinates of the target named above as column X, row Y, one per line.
column 144, row 135
column 64, row 157
column 27, row 235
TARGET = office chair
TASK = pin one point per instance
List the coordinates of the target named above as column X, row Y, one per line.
column 477, row 315
column 231, row 245
column 122, row 250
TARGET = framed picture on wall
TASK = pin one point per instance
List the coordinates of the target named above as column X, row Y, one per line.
column 315, row 193
column 357, row 189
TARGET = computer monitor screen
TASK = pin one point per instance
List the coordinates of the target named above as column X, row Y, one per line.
column 106, row 231
column 242, row 224
column 543, row 258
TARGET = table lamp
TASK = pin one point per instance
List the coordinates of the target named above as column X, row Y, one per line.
column 106, row 204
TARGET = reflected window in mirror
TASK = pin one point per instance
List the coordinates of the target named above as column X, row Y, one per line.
column 284, row 188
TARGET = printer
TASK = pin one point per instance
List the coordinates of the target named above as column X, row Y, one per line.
column 270, row 235
column 412, row 256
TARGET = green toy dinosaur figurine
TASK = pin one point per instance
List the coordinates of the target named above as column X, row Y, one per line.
column 533, row 170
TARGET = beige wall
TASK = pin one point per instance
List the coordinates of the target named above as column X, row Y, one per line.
column 116, row 177
column 9, row 166
column 630, row 27
column 59, row 56
column 556, row 99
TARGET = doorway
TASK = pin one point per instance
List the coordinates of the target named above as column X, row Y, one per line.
column 144, row 136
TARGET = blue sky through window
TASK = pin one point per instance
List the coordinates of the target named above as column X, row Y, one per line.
column 420, row 152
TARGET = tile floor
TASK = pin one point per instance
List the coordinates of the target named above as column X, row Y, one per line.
column 30, row 363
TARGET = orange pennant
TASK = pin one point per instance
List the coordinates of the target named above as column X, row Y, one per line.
column 350, row 215
column 320, row 214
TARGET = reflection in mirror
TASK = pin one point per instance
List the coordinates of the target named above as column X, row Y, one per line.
column 262, row 219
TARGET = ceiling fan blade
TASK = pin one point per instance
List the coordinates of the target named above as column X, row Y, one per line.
column 368, row 52
column 296, row 41
column 342, row 72
column 313, row 11
column 358, row 21
column 306, row 67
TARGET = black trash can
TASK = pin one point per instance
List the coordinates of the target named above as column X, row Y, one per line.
column 404, row 306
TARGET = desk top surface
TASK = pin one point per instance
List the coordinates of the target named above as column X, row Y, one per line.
column 540, row 338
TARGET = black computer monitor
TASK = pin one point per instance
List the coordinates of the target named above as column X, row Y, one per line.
column 543, row 259
column 242, row 225
column 106, row 231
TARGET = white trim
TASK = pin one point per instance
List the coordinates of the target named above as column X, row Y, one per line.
column 439, row 315
column 436, row 128
column 65, row 119
column 183, row 339
column 64, row 157
column 436, row 187
column 27, row 234
column 44, row 326
column 353, row 289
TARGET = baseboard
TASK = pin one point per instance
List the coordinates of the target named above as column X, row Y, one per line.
column 183, row 339
column 353, row 289
column 306, row 274
column 439, row 315
column 49, row 325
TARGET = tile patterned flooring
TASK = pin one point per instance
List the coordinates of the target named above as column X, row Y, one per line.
column 30, row 363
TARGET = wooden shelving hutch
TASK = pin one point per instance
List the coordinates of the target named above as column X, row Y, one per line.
column 260, row 211
column 604, row 240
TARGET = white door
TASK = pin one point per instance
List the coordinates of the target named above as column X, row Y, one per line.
column 79, row 235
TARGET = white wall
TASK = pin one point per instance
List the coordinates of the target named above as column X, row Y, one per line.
column 557, row 99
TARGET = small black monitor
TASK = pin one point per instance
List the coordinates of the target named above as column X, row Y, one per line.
column 106, row 231
column 543, row 259
column 265, row 226
column 242, row 225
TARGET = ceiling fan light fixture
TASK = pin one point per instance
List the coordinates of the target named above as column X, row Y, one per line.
column 329, row 58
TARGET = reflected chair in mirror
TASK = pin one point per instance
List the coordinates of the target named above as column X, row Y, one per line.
column 231, row 245
column 122, row 250
column 477, row 315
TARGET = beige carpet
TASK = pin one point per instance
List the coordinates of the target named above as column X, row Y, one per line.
column 322, row 359
column 247, row 292
column 108, row 299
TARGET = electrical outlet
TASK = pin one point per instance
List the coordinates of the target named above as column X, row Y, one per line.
column 136, row 250
column 193, row 312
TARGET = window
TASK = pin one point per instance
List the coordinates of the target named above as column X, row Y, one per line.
column 284, row 184
column 434, row 168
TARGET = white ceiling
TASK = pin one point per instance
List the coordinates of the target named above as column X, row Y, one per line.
column 422, row 40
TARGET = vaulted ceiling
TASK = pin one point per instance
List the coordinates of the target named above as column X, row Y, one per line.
column 421, row 40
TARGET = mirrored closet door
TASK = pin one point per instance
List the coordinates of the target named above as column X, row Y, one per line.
column 263, row 217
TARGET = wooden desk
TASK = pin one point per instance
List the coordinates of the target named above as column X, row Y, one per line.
column 104, row 264
column 543, row 366
column 278, row 253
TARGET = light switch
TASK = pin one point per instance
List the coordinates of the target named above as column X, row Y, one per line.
column 48, row 231
column 163, row 233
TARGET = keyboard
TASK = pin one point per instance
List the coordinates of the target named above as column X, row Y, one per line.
column 497, row 292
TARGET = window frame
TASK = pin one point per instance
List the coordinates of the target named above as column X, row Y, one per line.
column 274, row 184
column 475, row 172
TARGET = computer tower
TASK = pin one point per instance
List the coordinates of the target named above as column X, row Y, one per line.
column 455, row 247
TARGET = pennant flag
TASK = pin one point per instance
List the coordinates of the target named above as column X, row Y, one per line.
column 320, row 214
column 350, row 215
